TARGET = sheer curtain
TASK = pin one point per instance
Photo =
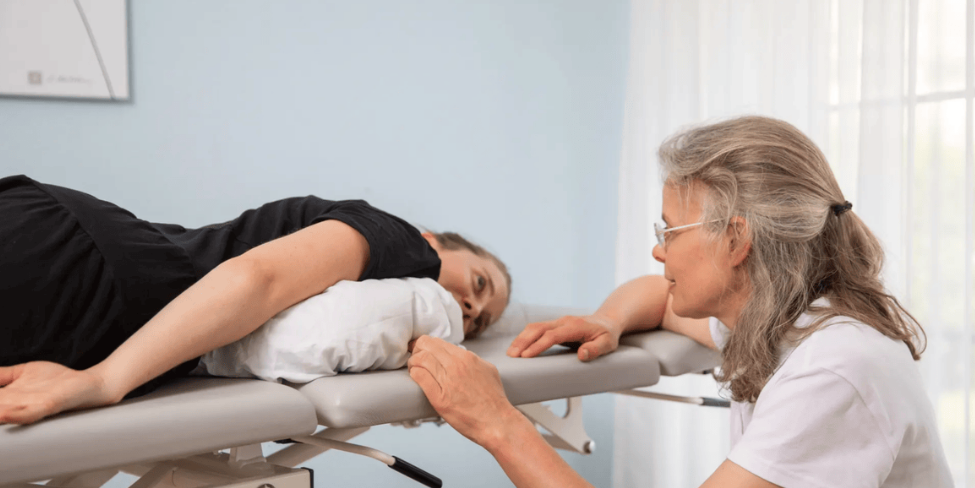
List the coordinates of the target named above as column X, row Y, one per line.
column 885, row 87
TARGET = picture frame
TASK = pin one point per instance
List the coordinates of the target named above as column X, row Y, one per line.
column 64, row 49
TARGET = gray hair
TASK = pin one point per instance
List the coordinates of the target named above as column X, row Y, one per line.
column 774, row 177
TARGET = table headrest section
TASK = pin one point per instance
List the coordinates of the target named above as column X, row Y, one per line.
column 518, row 315
column 391, row 396
column 188, row 417
column 678, row 354
column 206, row 414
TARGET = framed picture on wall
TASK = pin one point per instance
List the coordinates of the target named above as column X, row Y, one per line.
column 64, row 49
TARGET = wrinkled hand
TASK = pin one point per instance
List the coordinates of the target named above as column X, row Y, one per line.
column 596, row 335
column 32, row 391
column 464, row 389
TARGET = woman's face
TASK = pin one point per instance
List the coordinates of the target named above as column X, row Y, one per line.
column 476, row 283
column 701, row 273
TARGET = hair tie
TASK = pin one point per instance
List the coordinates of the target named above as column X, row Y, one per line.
column 839, row 208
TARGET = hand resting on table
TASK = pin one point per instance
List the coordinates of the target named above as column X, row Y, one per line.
column 30, row 391
column 596, row 336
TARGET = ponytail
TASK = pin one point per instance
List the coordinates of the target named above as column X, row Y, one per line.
column 806, row 242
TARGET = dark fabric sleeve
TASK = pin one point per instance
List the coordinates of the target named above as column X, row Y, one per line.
column 396, row 248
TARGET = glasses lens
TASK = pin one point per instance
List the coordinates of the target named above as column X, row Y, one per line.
column 658, row 230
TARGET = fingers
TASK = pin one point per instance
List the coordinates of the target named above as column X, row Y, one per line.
column 596, row 347
column 595, row 337
column 40, row 389
column 529, row 336
column 540, row 336
column 427, row 343
column 426, row 367
column 463, row 388
column 24, row 410
column 427, row 382
column 9, row 415
column 9, row 373
column 430, row 362
column 551, row 337
column 22, row 415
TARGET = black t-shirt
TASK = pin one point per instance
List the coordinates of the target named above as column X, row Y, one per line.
column 79, row 275
column 396, row 248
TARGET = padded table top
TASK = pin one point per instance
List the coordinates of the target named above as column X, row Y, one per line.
column 207, row 414
column 188, row 417
column 351, row 400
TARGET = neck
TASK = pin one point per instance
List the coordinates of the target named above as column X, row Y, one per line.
column 733, row 303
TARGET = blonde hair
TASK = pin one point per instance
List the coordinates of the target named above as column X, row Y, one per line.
column 774, row 177
column 455, row 241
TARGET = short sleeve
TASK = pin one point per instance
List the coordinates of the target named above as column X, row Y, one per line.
column 719, row 332
column 813, row 429
column 396, row 248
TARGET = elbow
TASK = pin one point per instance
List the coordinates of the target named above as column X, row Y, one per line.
column 250, row 280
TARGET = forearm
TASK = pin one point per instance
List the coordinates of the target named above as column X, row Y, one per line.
column 639, row 304
column 527, row 459
column 228, row 303
column 644, row 303
column 234, row 299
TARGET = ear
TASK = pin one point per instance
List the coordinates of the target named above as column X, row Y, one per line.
column 739, row 242
column 432, row 240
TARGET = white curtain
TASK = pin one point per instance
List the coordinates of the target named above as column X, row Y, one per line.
column 885, row 87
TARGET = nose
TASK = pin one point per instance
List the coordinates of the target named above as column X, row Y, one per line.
column 472, row 308
column 659, row 254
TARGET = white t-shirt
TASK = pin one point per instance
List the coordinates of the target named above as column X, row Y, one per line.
column 846, row 407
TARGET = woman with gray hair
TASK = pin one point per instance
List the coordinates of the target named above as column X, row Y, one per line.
column 765, row 260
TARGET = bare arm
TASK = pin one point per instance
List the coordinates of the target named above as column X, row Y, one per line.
column 235, row 299
column 528, row 460
column 644, row 304
column 531, row 463
column 639, row 304
column 466, row 390
column 697, row 329
column 731, row 475
column 228, row 303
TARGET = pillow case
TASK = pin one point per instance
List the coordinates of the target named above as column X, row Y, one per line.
column 353, row 326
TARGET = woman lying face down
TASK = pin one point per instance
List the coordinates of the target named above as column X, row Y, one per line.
column 477, row 279
column 369, row 325
column 104, row 305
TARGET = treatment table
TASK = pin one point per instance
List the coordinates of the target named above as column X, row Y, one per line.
column 85, row 449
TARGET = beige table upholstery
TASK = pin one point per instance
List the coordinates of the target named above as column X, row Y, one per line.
column 189, row 417
column 205, row 414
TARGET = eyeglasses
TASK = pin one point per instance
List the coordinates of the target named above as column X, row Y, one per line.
column 661, row 231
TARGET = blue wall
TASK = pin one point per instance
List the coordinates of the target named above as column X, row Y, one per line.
column 499, row 119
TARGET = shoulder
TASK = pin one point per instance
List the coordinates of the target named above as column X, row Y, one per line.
column 316, row 203
column 851, row 350
column 848, row 356
column 321, row 209
column 847, row 402
column 397, row 249
column 309, row 210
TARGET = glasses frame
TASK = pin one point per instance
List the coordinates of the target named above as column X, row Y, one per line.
column 661, row 231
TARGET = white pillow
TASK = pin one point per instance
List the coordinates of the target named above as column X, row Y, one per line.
column 351, row 327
